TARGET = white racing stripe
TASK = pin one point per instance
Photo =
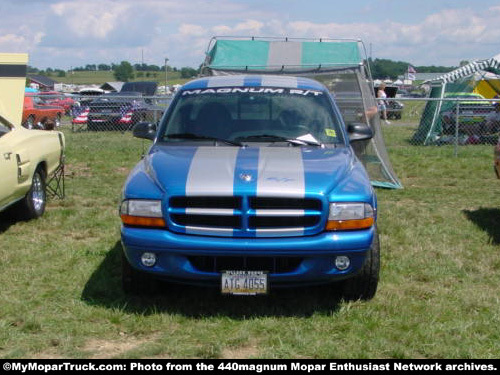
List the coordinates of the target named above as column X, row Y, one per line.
column 281, row 172
column 230, row 81
column 212, row 172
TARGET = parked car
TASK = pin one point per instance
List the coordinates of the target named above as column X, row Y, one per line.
column 58, row 99
column 86, row 95
column 122, row 110
column 472, row 115
column 27, row 157
column 35, row 111
column 251, row 183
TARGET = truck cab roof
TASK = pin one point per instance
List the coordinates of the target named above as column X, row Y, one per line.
column 254, row 81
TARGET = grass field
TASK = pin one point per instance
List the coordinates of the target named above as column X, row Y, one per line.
column 438, row 296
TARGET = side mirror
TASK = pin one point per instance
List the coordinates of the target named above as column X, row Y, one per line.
column 359, row 131
column 144, row 130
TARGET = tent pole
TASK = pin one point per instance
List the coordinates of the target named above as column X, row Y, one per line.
column 436, row 113
column 457, row 112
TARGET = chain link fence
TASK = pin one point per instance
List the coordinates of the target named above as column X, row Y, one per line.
column 84, row 113
column 412, row 122
column 116, row 112
column 449, row 123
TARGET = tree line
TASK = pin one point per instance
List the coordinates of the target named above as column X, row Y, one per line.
column 125, row 71
column 385, row 68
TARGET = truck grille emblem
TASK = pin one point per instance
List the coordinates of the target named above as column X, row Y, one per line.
column 246, row 177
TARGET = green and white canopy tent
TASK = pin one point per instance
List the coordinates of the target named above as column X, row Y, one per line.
column 470, row 69
column 288, row 56
column 340, row 64
column 474, row 77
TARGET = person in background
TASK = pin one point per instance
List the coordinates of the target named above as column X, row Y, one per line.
column 382, row 106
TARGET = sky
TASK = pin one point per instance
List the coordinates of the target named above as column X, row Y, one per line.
column 63, row 34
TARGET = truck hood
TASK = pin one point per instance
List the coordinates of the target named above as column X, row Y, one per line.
column 12, row 81
column 261, row 171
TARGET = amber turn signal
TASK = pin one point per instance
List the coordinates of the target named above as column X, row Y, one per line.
column 139, row 221
column 350, row 224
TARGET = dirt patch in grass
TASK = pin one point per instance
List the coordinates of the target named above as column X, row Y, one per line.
column 122, row 170
column 101, row 349
column 77, row 170
column 241, row 352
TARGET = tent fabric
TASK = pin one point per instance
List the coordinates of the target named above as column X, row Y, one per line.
column 470, row 69
column 282, row 56
column 338, row 64
column 227, row 54
column 489, row 88
column 469, row 78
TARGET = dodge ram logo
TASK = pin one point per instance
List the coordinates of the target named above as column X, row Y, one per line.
column 246, row 177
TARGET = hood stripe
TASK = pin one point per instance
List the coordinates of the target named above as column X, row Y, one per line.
column 211, row 174
column 246, row 166
column 262, row 172
column 213, row 164
column 281, row 172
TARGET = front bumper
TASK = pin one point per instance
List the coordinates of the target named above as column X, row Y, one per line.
column 313, row 256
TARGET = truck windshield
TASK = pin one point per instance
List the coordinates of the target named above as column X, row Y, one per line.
column 255, row 114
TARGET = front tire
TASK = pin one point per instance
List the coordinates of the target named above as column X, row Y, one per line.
column 58, row 120
column 32, row 206
column 363, row 286
column 30, row 122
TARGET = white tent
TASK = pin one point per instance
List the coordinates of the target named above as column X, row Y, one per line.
column 470, row 69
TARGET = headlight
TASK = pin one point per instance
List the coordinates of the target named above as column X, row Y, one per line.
column 350, row 216
column 142, row 212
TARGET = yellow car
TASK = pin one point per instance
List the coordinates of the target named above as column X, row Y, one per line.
column 28, row 158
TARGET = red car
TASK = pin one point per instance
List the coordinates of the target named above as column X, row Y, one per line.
column 57, row 99
column 36, row 111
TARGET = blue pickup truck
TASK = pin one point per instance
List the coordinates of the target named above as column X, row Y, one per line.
column 251, row 184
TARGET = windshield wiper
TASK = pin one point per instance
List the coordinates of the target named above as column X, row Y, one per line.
column 277, row 138
column 202, row 137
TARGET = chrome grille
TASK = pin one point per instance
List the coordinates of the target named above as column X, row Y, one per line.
column 242, row 216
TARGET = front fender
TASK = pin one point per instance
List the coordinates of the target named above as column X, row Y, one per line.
column 140, row 184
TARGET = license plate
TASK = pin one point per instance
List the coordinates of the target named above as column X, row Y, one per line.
column 245, row 283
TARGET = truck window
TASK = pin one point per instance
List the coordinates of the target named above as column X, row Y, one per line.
column 234, row 113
